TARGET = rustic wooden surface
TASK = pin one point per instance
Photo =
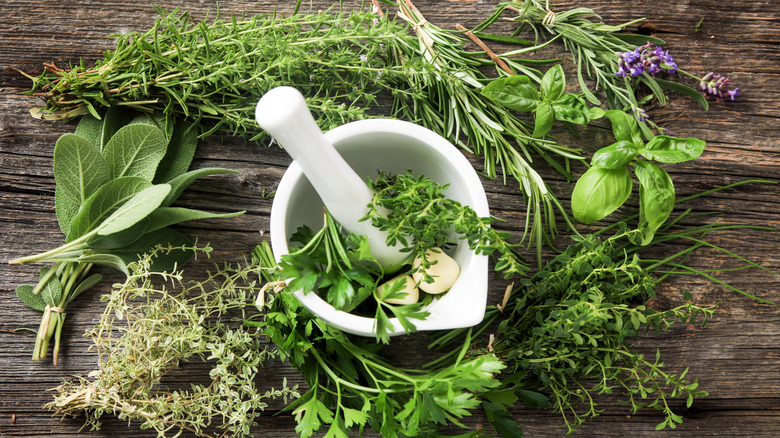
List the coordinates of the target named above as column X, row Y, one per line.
column 736, row 357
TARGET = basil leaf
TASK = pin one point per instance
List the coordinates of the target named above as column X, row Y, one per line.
column 515, row 92
column 544, row 119
column 615, row 155
column 79, row 169
column 571, row 108
column 165, row 216
column 134, row 210
column 624, row 127
column 553, row 83
column 668, row 149
column 656, row 198
column 34, row 301
column 103, row 203
column 599, row 192
column 179, row 154
column 183, row 181
column 135, row 150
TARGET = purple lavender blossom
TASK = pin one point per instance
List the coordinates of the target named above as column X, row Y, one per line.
column 650, row 58
column 713, row 84
column 640, row 114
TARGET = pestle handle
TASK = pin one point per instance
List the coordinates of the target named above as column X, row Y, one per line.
column 283, row 113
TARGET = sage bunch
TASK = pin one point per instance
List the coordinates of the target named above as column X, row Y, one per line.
column 117, row 177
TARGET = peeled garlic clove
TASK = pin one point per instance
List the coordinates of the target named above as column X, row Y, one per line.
column 444, row 270
column 412, row 293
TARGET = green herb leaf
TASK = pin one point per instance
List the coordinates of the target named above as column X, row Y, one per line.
column 614, row 156
column 599, row 192
column 98, row 131
column 51, row 292
column 166, row 216
column 167, row 259
column 544, row 118
column 79, row 169
column 181, row 182
column 553, row 83
column 178, row 156
column 34, row 301
column 624, row 127
column 134, row 210
column 135, row 150
column 668, row 149
column 104, row 202
column 120, row 238
column 85, row 285
column 514, row 92
column 66, row 208
column 656, row 198
column 572, row 109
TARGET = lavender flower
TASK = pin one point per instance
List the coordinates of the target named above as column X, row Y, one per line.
column 713, row 84
column 650, row 58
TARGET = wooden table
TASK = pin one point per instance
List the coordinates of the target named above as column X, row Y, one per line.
column 736, row 357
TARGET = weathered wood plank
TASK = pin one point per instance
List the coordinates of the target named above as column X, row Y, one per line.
column 735, row 357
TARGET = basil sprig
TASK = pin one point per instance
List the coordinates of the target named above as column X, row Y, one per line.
column 117, row 178
column 608, row 184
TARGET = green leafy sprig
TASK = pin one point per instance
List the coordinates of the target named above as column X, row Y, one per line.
column 417, row 214
column 607, row 184
column 342, row 270
column 352, row 386
column 117, row 178
column 152, row 323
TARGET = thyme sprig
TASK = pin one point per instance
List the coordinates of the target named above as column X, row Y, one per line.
column 155, row 321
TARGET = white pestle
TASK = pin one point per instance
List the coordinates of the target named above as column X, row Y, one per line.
column 283, row 113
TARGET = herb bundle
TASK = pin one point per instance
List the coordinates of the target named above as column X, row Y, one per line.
column 117, row 178
column 153, row 323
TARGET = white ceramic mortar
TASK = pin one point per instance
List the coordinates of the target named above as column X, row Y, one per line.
column 394, row 146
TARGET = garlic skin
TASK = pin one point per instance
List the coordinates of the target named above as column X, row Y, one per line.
column 412, row 293
column 445, row 272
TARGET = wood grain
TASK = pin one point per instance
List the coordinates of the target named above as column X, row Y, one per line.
column 736, row 357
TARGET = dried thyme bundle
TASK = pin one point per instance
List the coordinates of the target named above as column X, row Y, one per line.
column 152, row 323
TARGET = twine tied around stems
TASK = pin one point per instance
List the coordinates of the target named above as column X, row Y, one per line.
column 46, row 317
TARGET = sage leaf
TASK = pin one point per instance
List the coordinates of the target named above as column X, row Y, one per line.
column 51, row 292
column 553, row 83
column 105, row 259
column 85, row 285
column 599, row 192
column 514, row 92
column 166, row 216
column 134, row 210
column 179, row 154
column 166, row 260
column 656, row 198
column 668, row 149
column 79, row 169
column 615, row 155
column 135, row 150
column 544, row 119
column 65, row 208
column 99, row 131
column 103, row 203
column 158, row 120
column 34, row 301
column 686, row 90
column 121, row 238
column 572, row 109
column 183, row 181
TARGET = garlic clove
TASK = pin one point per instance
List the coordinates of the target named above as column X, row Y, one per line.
column 412, row 292
column 444, row 270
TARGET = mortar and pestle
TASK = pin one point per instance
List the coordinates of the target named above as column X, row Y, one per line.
column 331, row 170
